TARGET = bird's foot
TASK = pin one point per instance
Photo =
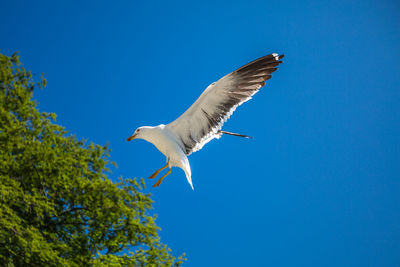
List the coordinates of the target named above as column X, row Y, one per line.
column 154, row 175
column 161, row 179
column 158, row 183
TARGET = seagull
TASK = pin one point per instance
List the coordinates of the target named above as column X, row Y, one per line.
column 203, row 121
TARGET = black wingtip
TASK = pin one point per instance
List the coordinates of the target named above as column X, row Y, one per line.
column 235, row 134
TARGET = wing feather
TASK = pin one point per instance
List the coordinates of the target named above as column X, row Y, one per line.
column 203, row 120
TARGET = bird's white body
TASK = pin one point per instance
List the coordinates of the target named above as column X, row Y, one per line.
column 168, row 144
column 203, row 121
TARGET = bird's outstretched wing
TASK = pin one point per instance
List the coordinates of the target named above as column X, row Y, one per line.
column 202, row 121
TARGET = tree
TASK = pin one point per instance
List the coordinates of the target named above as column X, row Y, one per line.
column 57, row 205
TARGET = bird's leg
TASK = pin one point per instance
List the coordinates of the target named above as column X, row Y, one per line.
column 161, row 179
column 154, row 175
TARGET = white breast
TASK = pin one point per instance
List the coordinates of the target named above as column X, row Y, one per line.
column 167, row 143
column 170, row 145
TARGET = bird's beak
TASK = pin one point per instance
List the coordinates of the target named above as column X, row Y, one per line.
column 131, row 138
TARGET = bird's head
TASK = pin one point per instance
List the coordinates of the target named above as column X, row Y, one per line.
column 139, row 133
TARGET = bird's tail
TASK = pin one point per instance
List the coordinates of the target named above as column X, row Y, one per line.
column 189, row 178
column 186, row 168
column 235, row 134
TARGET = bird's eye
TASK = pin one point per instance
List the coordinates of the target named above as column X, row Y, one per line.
column 138, row 130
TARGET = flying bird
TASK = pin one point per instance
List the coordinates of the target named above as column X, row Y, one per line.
column 203, row 121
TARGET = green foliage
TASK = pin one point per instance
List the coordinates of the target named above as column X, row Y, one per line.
column 57, row 205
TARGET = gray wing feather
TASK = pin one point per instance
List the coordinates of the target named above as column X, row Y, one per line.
column 203, row 120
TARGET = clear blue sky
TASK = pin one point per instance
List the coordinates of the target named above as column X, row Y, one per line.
column 319, row 185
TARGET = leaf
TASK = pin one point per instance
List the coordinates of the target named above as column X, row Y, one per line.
column 58, row 207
